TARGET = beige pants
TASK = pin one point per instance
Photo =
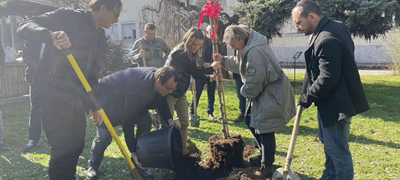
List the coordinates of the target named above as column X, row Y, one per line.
column 181, row 107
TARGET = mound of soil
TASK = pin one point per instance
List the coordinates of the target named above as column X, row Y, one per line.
column 225, row 154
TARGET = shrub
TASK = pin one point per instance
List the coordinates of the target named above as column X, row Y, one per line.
column 115, row 59
column 392, row 47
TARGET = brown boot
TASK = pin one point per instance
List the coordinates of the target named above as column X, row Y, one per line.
column 266, row 171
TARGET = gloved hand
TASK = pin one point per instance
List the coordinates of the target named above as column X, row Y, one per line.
column 303, row 101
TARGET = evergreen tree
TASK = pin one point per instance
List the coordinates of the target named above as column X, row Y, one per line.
column 365, row 18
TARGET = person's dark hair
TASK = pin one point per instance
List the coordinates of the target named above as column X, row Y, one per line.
column 165, row 73
column 308, row 6
column 110, row 4
column 149, row 26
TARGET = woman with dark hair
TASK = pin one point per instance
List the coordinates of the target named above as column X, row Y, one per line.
column 183, row 58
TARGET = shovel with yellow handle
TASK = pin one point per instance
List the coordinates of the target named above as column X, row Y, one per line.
column 101, row 111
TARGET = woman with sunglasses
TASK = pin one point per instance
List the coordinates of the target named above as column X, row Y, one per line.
column 183, row 58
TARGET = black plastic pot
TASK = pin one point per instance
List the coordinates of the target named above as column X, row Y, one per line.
column 159, row 148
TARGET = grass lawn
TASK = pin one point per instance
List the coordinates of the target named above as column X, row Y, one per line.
column 374, row 139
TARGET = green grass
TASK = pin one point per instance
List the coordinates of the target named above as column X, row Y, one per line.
column 374, row 139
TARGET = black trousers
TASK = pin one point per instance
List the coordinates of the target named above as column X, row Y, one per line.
column 266, row 143
column 65, row 128
column 103, row 138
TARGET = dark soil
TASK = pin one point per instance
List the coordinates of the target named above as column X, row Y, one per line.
column 225, row 154
column 247, row 151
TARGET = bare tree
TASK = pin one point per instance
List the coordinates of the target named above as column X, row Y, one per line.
column 174, row 17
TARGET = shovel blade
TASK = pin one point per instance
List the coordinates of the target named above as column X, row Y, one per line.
column 279, row 175
column 195, row 120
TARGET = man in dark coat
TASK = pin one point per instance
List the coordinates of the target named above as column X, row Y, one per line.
column 126, row 97
column 61, row 96
column 334, row 85
column 32, row 55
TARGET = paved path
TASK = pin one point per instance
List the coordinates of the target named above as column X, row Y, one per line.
column 362, row 72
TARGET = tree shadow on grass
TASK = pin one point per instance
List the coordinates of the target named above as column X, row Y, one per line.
column 383, row 101
column 364, row 140
column 13, row 165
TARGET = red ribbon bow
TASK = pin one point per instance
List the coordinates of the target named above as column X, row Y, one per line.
column 212, row 10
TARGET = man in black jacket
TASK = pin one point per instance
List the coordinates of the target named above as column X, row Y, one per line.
column 61, row 96
column 334, row 85
column 126, row 97
column 32, row 55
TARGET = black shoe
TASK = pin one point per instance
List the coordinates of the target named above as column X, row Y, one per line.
column 92, row 173
column 255, row 160
column 3, row 148
column 143, row 173
column 30, row 146
column 239, row 118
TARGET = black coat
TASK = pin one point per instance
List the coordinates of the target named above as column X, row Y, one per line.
column 127, row 94
column 54, row 76
column 31, row 57
column 186, row 68
column 335, row 84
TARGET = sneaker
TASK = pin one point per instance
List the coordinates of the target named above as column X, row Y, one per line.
column 255, row 160
column 194, row 120
column 3, row 148
column 92, row 173
column 239, row 118
column 211, row 115
column 30, row 146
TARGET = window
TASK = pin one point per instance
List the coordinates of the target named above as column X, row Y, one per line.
column 128, row 31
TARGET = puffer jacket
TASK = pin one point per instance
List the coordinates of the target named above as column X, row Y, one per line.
column 265, row 85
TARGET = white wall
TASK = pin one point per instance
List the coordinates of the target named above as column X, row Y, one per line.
column 129, row 22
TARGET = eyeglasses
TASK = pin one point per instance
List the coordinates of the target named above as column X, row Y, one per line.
column 116, row 14
column 170, row 90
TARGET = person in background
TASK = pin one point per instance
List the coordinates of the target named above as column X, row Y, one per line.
column 62, row 98
column 152, row 49
column 3, row 147
column 270, row 97
column 332, row 83
column 205, row 62
column 32, row 56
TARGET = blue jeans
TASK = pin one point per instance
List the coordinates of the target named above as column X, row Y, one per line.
column 35, row 120
column 338, row 163
column 242, row 100
column 210, row 93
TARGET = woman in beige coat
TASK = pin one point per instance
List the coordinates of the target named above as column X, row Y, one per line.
column 270, row 98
